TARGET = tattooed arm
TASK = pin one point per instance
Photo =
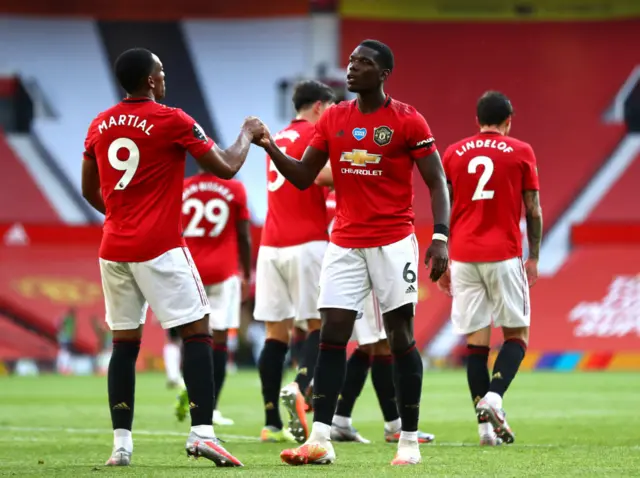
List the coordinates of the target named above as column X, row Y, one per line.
column 534, row 222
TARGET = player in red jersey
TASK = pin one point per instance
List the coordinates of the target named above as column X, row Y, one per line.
column 133, row 173
column 217, row 230
column 293, row 244
column 490, row 174
column 373, row 143
column 373, row 353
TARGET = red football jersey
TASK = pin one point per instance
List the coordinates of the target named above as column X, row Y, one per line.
column 331, row 207
column 140, row 147
column 293, row 216
column 211, row 208
column 372, row 157
column 488, row 173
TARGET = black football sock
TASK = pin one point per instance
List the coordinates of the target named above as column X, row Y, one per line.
column 382, row 379
column 220, row 358
column 327, row 380
column 271, row 366
column 477, row 372
column 308, row 360
column 355, row 378
column 198, row 377
column 507, row 365
column 121, row 382
column 408, row 370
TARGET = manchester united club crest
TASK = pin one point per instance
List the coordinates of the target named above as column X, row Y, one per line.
column 382, row 135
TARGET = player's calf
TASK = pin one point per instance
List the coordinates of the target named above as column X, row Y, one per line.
column 121, row 378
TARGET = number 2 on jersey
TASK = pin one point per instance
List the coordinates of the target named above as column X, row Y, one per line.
column 129, row 165
column 480, row 192
column 214, row 211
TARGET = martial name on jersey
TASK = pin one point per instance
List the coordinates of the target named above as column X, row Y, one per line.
column 126, row 120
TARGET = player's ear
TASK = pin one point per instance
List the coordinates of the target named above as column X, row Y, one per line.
column 385, row 74
column 151, row 82
column 317, row 108
column 477, row 122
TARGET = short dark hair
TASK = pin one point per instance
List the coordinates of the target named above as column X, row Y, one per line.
column 384, row 58
column 493, row 108
column 306, row 93
column 133, row 67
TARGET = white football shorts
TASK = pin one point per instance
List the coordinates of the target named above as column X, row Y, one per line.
column 369, row 329
column 225, row 298
column 169, row 283
column 483, row 291
column 349, row 275
column 287, row 282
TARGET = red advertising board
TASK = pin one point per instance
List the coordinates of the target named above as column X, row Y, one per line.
column 591, row 304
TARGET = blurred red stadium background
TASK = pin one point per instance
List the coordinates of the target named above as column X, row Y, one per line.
column 571, row 80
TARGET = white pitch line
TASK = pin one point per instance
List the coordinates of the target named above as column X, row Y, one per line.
column 100, row 431
column 161, row 433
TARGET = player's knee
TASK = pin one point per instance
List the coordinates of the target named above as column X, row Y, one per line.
column 220, row 337
column 381, row 348
column 337, row 326
column 278, row 331
column 399, row 326
column 366, row 349
column 480, row 338
column 199, row 327
column 135, row 334
column 520, row 333
column 313, row 325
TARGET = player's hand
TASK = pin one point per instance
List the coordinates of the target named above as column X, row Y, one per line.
column 531, row 269
column 245, row 289
column 444, row 283
column 438, row 256
column 256, row 128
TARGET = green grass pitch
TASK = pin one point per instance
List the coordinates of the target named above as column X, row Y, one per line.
column 567, row 424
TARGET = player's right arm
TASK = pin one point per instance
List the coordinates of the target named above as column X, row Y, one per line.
column 223, row 163
column 301, row 173
column 243, row 238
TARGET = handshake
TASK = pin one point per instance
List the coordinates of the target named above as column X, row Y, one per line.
column 257, row 130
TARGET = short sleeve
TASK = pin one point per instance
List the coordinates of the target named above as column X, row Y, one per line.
column 418, row 136
column 530, row 180
column 190, row 135
column 320, row 137
column 90, row 143
column 241, row 199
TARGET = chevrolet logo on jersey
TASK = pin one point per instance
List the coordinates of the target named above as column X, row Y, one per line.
column 360, row 157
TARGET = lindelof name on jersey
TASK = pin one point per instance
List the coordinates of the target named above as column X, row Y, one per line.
column 290, row 134
column 125, row 120
column 361, row 158
column 208, row 186
column 484, row 143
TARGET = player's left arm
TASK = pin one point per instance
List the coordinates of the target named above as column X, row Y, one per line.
column 325, row 177
column 533, row 213
column 424, row 152
column 243, row 237
column 90, row 174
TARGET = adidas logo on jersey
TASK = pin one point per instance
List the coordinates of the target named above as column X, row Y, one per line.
column 411, row 290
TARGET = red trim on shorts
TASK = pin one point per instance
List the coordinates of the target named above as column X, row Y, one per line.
column 416, row 251
column 376, row 311
column 523, row 277
column 201, row 292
